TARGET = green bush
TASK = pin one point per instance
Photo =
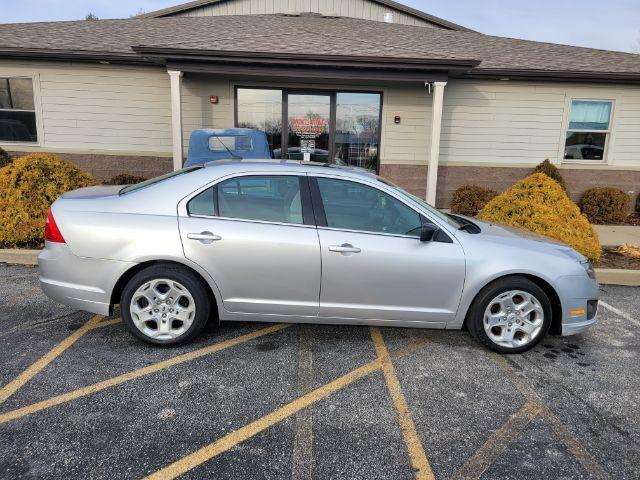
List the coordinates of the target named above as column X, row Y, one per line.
column 470, row 199
column 551, row 171
column 540, row 205
column 5, row 158
column 124, row 179
column 605, row 205
column 28, row 187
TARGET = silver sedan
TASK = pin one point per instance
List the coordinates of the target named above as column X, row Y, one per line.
column 300, row 242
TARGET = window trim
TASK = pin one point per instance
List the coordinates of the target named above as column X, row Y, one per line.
column 566, row 130
column 307, row 216
column 333, row 95
column 321, row 218
column 35, row 80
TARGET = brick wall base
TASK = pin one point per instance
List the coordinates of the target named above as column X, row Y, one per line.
column 413, row 178
column 104, row 167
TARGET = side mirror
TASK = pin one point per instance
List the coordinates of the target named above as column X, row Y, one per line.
column 428, row 232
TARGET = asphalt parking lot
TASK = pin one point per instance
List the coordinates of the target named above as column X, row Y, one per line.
column 80, row 398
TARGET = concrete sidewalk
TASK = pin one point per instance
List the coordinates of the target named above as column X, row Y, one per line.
column 615, row 235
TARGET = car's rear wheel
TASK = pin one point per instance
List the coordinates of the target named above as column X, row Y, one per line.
column 511, row 315
column 165, row 305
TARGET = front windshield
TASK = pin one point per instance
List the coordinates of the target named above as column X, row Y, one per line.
column 445, row 218
column 152, row 181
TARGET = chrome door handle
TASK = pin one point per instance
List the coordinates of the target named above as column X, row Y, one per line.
column 205, row 237
column 345, row 248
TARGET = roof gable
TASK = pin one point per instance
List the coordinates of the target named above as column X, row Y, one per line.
column 364, row 9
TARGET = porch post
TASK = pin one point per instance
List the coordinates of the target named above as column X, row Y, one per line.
column 176, row 117
column 434, row 149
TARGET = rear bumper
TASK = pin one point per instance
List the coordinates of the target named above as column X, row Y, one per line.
column 82, row 283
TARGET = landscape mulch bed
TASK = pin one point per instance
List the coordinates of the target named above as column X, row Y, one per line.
column 610, row 259
column 632, row 220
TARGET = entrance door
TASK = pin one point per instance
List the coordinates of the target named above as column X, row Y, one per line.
column 308, row 118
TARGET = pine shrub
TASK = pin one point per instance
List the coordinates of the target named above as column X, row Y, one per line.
column 5, row 158
column 124, row 179
column 605, row 205
column 28, row 187
column 539, row 204
column 551, row 171
column 470, row 199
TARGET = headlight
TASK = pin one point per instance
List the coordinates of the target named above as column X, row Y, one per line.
column 590, row 270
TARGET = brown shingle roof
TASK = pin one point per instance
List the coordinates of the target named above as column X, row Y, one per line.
column 309, row 35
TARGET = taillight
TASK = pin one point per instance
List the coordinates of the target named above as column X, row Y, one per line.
column 51, row 230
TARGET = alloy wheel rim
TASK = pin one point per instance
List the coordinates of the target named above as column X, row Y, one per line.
column 162, row 309
column 513, row 319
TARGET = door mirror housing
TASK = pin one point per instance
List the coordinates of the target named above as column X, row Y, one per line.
column 428, row 232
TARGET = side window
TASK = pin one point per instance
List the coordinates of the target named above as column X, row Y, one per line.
column 265, row 198
column 203, row 204
column 353, row 206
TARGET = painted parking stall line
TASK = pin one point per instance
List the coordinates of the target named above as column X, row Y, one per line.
column 417, row 455
column 134, row 374
column 620, row 313
column 17, row 383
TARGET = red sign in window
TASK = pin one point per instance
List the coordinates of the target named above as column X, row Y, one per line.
column 213, row 99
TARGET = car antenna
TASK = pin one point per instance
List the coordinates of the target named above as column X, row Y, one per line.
column 233, row 155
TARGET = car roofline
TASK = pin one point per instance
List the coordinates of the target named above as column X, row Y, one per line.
column 305, row 166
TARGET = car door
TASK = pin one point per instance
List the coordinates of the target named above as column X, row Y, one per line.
column 256, row 236
column 374, row 265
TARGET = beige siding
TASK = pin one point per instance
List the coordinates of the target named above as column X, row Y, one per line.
column 522, row 123
column 97, row 108
column 346, row 8
column 408, row 141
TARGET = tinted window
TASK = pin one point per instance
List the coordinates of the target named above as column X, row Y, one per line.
column 202, row 204
column 161, row 178
column 353, row 206
column 265, row 198
column 17, row 110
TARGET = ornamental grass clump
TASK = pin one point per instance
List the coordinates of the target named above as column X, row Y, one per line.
column 539, row 204
column 28, row 187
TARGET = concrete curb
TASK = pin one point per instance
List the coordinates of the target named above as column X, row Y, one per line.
column 610, row 276
column 19, row 256
column 615, row 235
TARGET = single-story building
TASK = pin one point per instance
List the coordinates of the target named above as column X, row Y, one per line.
column 429, row 104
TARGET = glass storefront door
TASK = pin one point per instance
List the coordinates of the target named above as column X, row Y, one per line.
column 308, row 119
column 322, row 126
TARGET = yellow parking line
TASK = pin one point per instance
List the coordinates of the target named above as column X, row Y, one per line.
column 417, row 455
column 551, row 419
column 234, row 438
column 112, row 382
column 484, row 457
column 573, row 445
column 18, row 382
column 302, row 459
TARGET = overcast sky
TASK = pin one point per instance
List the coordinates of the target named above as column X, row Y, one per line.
column 608, row 24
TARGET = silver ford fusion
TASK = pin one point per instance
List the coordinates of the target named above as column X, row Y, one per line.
column 272, row 241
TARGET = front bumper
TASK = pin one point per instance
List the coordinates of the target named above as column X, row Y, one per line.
column 82, row 283
column 577, row 296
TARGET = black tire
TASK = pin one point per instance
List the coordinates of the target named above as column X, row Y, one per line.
column 186, row 278
column 475, row 318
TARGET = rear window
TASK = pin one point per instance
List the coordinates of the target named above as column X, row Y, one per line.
column 161, row 178
column 236, row 142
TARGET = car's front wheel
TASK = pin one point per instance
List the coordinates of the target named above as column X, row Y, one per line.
column 165, row 305
column 511, row 315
